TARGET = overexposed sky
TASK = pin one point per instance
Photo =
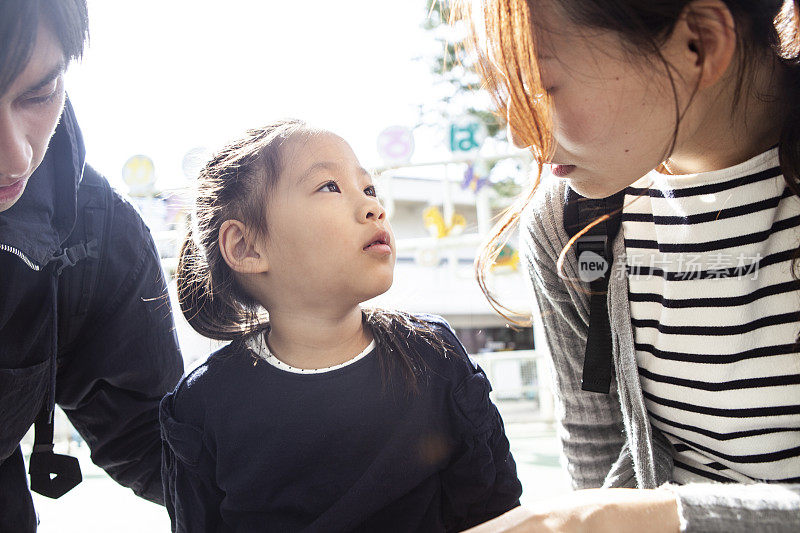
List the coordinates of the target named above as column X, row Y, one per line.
column 161, row 77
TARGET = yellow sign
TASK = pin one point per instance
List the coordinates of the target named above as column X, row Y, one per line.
column 139, row 174
column 434, row 221
column 508, row 257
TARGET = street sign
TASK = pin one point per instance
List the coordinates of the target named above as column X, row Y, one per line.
column 138, row 173
column 396, row 145
column 467, row 134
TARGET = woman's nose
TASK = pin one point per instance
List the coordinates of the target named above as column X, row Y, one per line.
column 16, row 153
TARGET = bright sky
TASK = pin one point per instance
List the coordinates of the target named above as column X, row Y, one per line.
column 161, row 77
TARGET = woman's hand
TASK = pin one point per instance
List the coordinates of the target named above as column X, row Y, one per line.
column 595, row 511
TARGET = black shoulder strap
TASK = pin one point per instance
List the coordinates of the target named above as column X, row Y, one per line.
column 52, row 474
column 595, row 258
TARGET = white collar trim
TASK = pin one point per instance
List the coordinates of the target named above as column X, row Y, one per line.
column 258, row 344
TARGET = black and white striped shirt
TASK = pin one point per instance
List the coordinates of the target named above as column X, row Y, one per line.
column 716, row 316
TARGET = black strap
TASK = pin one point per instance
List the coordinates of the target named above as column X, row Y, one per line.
column 75, row 253
column 52, row 475
column 579, row 212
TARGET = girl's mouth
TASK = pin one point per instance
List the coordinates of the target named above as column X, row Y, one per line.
column 379, row 244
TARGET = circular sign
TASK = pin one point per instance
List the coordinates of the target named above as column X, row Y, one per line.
column 139, row 174
column 396, row 144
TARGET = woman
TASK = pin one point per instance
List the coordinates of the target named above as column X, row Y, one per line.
column 691, row 108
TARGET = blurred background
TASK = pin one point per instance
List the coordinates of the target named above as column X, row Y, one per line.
column 164, row 84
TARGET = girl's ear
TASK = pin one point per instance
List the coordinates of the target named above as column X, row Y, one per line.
column 705, row 37
column 241, row 251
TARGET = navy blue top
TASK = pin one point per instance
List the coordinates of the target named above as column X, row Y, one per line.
column 250, row 447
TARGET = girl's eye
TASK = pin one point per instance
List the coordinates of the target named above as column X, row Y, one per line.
column 330, row 186
column 370, row 191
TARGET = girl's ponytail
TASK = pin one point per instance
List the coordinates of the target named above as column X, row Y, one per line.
column 210, row 311
column 234, row 184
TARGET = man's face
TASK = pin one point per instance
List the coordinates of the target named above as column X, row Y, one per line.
column 29, row 113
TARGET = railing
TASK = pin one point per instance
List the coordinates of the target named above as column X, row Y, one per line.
column 519, row 376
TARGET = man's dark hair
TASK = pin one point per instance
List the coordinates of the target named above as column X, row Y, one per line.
column 19, row 22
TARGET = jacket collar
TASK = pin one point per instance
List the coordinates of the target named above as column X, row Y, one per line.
column 43, row 217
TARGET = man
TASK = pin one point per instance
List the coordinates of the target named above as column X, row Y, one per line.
column 84, row 315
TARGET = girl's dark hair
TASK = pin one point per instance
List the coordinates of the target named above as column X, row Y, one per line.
column 235, row 184
column 393, row 332
column 507, row 61
column 19, row 23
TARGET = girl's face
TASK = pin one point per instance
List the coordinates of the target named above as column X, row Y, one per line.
column 328, row 240
column 613, row 113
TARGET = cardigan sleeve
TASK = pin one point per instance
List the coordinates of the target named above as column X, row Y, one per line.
column 590, row 424
column 191, row 495
column 738, row 508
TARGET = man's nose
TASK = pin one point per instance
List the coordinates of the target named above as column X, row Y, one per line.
column 16, row 152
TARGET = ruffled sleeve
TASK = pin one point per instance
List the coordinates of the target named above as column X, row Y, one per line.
column 481, row 482
column 191, row 495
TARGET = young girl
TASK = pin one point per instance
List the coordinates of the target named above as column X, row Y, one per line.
column 326, row 417
column 702, row 98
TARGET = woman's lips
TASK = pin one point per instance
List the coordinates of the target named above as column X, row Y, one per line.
column 560, row 171
column 11, row 192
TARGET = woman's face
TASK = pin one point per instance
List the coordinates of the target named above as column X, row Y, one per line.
column 613, row 113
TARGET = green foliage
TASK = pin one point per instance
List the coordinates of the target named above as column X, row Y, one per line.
column 456, row 72
column 507, row 188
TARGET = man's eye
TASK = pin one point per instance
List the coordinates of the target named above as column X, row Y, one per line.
column 330, row 186
column 41, row 100
column 370, row 191
column 44, row 96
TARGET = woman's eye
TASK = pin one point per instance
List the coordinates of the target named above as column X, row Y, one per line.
column 330, row 186
column 370, row 191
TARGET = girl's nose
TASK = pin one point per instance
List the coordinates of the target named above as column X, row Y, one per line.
column 16, row 153
column 372, row 210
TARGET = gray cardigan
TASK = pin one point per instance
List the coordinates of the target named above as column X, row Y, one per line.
column 607, row 438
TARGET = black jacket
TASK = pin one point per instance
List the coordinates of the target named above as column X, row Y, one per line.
column 89, row 328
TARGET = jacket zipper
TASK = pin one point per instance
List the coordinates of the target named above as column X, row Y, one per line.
column 7, row 248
